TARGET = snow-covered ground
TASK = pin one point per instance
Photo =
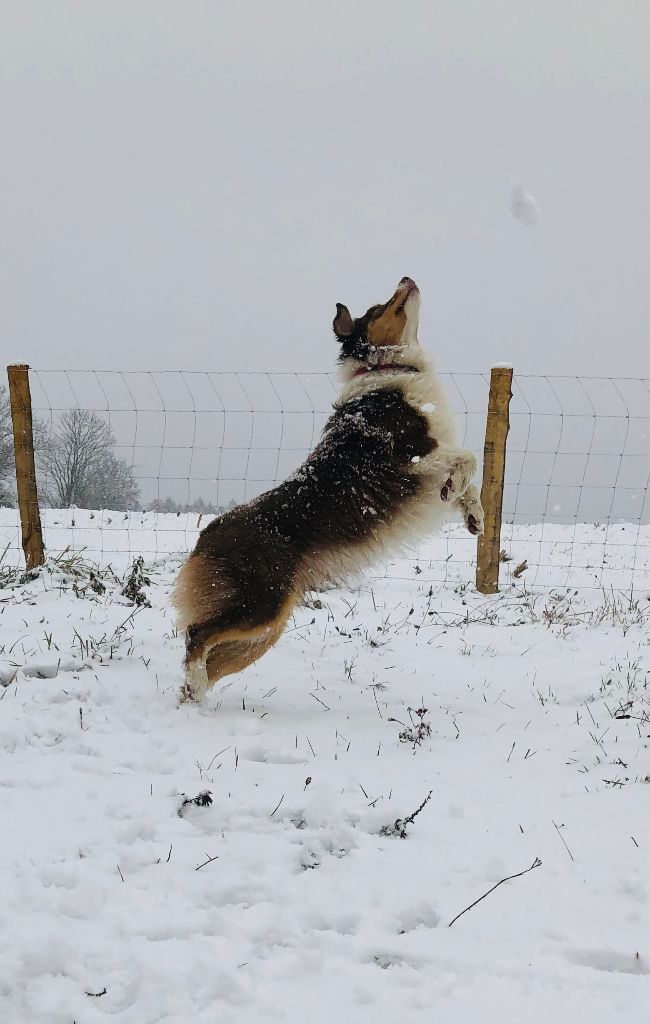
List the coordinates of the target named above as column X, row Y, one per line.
column 292, row 897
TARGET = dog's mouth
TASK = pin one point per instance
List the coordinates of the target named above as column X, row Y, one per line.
column 406, row 288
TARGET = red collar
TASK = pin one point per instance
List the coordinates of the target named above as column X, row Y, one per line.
column 387, row 366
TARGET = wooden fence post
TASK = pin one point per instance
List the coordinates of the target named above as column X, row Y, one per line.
column 494, row 470
column 21, row 418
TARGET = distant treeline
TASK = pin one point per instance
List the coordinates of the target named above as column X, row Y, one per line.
column 200, row 506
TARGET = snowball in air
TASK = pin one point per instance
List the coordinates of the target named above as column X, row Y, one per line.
column 524, row 206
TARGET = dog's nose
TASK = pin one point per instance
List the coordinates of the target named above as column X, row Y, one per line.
column 407, row 280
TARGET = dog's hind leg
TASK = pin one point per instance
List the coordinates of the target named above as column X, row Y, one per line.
column 218, row 648
column 196, row 682
column 233, row 656
column 197, row 647
column 201, row 640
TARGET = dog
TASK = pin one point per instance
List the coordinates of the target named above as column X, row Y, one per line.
column 386, row 471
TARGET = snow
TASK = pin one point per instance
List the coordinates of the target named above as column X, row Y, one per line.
column 287, row 898
column 524, row 207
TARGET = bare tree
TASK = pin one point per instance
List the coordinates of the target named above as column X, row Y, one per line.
column 7, row 458
column 81, row 467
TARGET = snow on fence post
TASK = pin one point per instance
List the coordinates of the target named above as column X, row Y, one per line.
column 21, row 418
column 494, row 471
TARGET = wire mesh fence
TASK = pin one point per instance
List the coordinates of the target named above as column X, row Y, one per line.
column 575, row 498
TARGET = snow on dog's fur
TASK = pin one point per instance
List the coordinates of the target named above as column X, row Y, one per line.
column 385, row 472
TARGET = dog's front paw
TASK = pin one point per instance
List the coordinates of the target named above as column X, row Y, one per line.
column 460, row 471
column 475, row 524
column 472, row 511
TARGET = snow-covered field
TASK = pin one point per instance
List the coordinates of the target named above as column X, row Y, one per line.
column 292, row 897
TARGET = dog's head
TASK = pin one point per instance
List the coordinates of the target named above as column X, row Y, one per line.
column 387, row 334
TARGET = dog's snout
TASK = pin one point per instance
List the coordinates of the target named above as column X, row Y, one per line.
column 407, row 280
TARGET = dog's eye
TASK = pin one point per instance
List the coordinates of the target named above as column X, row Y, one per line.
column 376, row 311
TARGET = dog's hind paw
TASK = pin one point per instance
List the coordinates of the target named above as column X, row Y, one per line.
column 195, row 684
column 186, row 695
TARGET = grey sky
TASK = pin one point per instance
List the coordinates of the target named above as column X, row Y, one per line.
column 195, row 184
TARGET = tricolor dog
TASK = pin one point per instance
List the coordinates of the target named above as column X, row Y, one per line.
column 385, row 472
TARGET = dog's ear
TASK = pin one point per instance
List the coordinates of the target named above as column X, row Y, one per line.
column 343, row 322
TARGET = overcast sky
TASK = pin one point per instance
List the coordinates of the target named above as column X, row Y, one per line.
column 195, row 184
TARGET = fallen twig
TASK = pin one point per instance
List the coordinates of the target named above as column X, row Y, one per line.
column 208, row 861
column 536, row 864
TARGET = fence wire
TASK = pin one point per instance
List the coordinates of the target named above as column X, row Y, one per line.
column 575, row 499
